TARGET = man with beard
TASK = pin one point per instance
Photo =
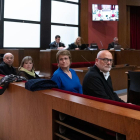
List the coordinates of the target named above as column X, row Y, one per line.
column 97, row 81
column 115, row 42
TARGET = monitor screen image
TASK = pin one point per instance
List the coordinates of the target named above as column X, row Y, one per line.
column 102, row 12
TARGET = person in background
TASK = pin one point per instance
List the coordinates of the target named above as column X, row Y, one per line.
column 97, row 81
column 26, row 68
column 115, row 42
column 6, row 67
column 76, row 45
column 65, row 77
column 57, row 44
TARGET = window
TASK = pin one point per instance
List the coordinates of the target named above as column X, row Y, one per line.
column 65, row 20
column 21, row 23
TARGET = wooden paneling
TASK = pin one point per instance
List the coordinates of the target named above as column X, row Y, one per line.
column 28, row 115
column 124, row 21
column 84, row 20
column 45, row 62
column 122, row 25
column 47, row 57
column 35, row 53
column 20, row 53
column 127, row 43
column 128, row 57
column 133, row 2
column 25, row 115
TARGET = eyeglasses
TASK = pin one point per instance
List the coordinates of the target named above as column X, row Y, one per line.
column 106, row 60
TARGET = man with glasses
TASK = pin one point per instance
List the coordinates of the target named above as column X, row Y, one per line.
column 97, row 81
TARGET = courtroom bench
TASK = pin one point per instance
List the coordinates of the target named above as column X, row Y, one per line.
column 30, row 115
column 70, row 123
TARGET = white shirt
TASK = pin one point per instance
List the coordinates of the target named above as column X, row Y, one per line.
column 106, row 75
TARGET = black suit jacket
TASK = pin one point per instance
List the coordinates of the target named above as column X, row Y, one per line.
column 111, row 45
column 54, row 46
column 95, row 84
column 6, row 70
column 72, row 46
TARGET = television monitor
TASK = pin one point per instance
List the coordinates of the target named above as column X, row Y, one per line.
column 102, row 12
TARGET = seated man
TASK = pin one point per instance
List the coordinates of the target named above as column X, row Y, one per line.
column 115, row 42
column 57, row 44
column 6, row 67
column 97, row 81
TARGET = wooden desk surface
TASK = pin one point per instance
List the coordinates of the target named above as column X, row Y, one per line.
column 28, row 115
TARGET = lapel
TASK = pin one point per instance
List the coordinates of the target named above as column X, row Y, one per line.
column 108, row 81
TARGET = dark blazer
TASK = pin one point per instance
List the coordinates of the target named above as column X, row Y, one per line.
column 54, row 46
column 6, row 70
column 27, row 76
column 72, row 46
column 111, row 45
column 95, row 84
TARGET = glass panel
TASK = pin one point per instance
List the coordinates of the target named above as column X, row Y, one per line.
column 73, row 0
column 68, row 34
column 21, row 35
column 22, row 9
column 64, row 13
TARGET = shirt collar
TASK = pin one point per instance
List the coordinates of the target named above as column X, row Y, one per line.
column 106, row 75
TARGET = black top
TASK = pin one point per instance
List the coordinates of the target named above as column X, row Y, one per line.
column 95, row 84
column 54, row 46
column 111, row 45
column 72, row 46
column 27, row 76
column 5, row 69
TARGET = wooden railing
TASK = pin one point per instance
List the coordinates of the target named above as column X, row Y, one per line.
column 32, row 115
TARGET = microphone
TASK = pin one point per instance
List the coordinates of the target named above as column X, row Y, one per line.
column 127, row 45
column 101, row 45
column 86, row 60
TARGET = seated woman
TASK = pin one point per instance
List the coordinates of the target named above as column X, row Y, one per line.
column 76, row 45
column 26, row 68
column 65, row 77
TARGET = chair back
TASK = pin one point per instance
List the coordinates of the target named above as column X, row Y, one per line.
column 134, row 88
column 134, row 81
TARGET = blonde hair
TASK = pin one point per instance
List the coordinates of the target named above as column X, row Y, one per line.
column 79, row 43
column 63, row 52
column 25, row 59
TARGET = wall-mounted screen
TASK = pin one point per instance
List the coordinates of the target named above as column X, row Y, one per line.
column 102, row 12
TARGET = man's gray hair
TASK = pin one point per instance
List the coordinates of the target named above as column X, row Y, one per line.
column 115, row 38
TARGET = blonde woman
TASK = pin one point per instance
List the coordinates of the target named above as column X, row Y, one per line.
column 26, row 68
column 76, row 45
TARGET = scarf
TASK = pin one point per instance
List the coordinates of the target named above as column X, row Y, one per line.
column 32, row 73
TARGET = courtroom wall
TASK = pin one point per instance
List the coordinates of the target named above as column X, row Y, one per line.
column 103, row 31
